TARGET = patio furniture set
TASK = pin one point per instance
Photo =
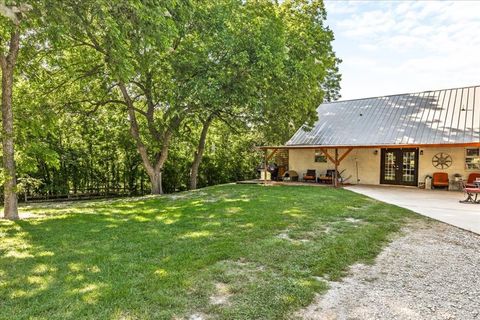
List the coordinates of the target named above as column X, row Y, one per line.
column 310, row 176
column 327, row 178
column 471, row 188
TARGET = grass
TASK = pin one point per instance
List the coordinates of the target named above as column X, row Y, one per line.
column 224, row 252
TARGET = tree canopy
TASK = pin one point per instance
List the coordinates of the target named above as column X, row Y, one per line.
column 135, row 96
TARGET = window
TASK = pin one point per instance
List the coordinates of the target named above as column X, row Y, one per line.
column 320, row 157
column 472, row 158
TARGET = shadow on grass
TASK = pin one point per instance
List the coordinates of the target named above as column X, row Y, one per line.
column 158, row 258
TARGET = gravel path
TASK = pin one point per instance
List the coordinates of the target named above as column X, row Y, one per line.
column 431, row 272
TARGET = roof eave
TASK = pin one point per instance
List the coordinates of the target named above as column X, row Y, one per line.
column 419, row 145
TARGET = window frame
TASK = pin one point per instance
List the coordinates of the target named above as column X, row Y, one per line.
column 319, row 153
column 466, row 156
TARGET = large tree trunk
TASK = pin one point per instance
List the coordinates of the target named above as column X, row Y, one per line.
column 156, row 181
column 154, row 171
column 197, row 158
column 10, row 183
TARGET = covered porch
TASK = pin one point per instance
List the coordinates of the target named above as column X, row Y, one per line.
column 408, row 164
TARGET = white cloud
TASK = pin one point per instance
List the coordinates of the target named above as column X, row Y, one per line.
column 395, row 47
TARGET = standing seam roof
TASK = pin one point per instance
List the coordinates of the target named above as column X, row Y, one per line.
column 430, row 117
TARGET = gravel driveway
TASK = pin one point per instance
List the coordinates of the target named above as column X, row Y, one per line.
column 431, row 271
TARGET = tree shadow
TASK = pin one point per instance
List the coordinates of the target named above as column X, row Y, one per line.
column 133, row 259
column 157, row 258
column 444, row 116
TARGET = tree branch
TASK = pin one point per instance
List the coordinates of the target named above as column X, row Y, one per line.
column 135, row 131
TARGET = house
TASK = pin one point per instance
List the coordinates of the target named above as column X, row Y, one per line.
column 396, row 140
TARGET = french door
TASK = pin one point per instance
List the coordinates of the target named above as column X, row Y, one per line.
column 399, row 166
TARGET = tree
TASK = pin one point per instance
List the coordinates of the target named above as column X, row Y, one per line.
column 132, row 41
column 176, row 74
column 310, row 74
column 9, row 50
column 265, row 65
column 222, row 71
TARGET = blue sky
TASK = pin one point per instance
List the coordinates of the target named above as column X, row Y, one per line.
column 390, row 47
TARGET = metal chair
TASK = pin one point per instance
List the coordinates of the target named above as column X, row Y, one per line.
column 471, row 193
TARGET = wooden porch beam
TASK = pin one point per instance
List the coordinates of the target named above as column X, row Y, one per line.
column 335, row 183
column 271, row 154
column 344, row 155
column 265, row 163
column 325, row 152
column 336, row 161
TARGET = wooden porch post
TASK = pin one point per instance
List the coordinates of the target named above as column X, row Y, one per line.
column 336, row 168
column 265, row 167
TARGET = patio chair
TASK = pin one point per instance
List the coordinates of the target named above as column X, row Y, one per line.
column 440, row 179
column 472, row 177
column 311, row 175
column 327, row 178
column 472, row 194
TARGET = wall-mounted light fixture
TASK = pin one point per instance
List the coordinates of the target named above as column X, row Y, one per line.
column 375, row 152
column 421, row 152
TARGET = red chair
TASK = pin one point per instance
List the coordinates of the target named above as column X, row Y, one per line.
column 472, row 194
column 472, row 177
column 440, row 179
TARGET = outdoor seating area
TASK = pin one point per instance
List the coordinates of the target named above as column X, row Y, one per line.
column 327, row 177
column 472, row 189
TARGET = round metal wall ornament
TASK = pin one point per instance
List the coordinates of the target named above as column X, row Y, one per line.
column 442, row 160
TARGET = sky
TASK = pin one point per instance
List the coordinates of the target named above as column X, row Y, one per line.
column 390, row 47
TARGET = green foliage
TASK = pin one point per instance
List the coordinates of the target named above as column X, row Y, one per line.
column 163, row 257
column 258, row 68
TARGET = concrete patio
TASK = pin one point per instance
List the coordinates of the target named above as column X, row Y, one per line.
column 436, row 204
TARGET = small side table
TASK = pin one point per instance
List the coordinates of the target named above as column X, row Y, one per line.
column 456, row 185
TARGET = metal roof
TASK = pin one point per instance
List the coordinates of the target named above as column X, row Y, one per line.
column 450, row 116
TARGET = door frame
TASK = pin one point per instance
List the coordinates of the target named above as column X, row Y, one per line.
column 399, row 160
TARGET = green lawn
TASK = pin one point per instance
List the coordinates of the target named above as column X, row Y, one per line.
column 227, row 252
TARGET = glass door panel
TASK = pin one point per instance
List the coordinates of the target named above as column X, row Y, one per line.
column 409, row 166
column 390, row 167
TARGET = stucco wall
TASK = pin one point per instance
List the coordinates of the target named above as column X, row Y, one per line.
column 368, row 163
column 458, row 165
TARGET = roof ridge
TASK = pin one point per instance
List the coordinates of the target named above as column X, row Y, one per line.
column 401, row 94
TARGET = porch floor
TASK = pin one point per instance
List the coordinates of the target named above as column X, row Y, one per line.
column 284, row 183
column 436, row 204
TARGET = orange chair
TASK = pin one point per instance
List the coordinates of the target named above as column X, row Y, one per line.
column 472, row 177
column 440, row 179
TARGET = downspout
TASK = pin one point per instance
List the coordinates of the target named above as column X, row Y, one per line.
column 356, row 168
column 356, row 165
